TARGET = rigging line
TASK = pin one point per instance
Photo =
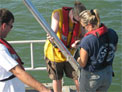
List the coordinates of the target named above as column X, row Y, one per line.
column 55, row 62
column 55, row 66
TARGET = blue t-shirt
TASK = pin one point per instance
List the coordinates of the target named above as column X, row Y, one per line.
column 97, row 50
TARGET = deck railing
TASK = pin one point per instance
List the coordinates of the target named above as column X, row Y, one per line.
column 31, row 42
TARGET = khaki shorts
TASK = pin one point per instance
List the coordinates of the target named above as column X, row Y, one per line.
column 57, row 70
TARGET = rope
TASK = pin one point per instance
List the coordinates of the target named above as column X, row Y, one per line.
column 55, row 66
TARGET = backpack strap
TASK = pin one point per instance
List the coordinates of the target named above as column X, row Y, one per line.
column 107, row 40
column 107, row 63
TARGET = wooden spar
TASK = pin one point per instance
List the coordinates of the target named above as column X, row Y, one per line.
column 49, row 31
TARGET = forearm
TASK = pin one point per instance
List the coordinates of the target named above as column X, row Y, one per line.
column 28, row 79
column 82, row 60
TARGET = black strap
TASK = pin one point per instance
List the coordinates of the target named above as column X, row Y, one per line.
column 52, row 90
column 105, row 59
column 53, row 44
column 107, row 63
column 9, row 78
column 77, row 53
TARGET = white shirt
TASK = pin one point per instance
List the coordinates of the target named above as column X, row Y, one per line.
column 7, row 62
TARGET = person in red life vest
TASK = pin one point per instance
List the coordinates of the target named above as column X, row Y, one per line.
column 12, row 73
column 97, row 50
column 68, row 29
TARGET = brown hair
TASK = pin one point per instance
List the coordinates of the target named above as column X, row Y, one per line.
column 78, row 7
column 90, row 17
column 5, row 16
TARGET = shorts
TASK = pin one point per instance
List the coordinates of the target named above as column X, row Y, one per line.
column 95, row 81
column 56, row 70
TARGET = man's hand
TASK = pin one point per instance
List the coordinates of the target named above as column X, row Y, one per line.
column 50, row 38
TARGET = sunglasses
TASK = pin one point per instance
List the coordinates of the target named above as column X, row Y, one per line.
column 11, row 26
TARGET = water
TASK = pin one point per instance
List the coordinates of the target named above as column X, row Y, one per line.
column 27, row 28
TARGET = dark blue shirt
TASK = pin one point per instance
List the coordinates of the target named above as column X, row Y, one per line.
column 97, row 50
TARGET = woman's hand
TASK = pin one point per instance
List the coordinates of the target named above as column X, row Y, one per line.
column 79, row 59
column 75, row 44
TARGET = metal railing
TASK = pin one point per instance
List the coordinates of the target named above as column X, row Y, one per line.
column 32, row 67
column 31, row 42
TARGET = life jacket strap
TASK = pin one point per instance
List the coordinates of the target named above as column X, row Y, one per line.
column 9, row 78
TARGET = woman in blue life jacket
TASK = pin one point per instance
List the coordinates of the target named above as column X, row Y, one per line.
column 97, row 50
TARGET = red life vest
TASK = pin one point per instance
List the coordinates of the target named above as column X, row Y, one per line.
column 65, row 28
column 98, row 32
column 12, row 52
